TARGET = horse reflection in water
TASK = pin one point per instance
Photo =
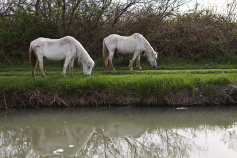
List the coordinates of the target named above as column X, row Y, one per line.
column 67, row 141
column 121, row 130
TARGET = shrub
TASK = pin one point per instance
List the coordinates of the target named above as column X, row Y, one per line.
column 196, row 35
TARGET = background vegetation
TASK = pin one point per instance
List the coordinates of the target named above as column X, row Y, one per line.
column 195, row 34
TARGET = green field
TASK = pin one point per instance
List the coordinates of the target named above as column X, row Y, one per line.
column 171, row 83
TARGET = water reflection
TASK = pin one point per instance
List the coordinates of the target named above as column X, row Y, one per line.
column 60, row 141
column 230, row 137
column 119, row 132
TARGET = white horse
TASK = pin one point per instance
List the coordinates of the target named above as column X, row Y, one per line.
column 135, row 43
column 67, row 48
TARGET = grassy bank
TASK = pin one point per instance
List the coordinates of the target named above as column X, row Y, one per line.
column 202, row 83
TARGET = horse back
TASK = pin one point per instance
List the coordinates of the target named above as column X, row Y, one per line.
column 125, row 44
column 54, row 49
column 131, row 44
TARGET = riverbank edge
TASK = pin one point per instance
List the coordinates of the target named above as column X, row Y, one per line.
column 223, row 95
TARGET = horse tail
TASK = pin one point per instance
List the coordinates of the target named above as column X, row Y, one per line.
column 105, row 54
column 32, row 58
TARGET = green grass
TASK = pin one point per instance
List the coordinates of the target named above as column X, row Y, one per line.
column 148, row 82
column 121, row 63
column 144, row 83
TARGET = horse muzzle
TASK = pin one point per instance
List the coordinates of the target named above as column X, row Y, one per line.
column 154, row 65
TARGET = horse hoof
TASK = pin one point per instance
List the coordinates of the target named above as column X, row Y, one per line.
column 139, row 68
column 131, row 69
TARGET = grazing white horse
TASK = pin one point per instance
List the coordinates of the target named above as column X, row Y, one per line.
column 135, row 43
column 67, row 48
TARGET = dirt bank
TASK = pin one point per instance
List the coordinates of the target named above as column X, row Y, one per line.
column 220, row 96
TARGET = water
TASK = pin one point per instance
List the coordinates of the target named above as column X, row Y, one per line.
column 205, row 132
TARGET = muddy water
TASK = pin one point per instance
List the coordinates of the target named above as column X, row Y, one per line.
column 119, row 132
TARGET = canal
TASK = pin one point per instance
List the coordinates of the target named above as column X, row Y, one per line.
column 173, row 132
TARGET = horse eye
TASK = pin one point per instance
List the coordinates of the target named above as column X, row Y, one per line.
column 89, row 67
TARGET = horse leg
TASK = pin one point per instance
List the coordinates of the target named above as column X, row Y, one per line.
column 67, row 60
column 138, row 62
column 33, row 68
column 130, row 65
column 132, row 60
column 71, row 67
column 40, row 59
column 111, row 54
column 105, row 63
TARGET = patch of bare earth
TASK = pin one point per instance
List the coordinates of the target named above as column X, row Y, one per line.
column 222, row 95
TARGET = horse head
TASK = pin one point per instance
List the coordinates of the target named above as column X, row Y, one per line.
column 152, row 57
column 87, row 67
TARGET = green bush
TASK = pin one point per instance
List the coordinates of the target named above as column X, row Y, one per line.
column 19, row 30
column 196, row 35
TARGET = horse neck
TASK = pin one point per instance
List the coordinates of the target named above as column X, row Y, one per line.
column 82, row 53
column 148, row 47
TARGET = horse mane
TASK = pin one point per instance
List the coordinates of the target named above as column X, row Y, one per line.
column 147, row 45
column 81, row 52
